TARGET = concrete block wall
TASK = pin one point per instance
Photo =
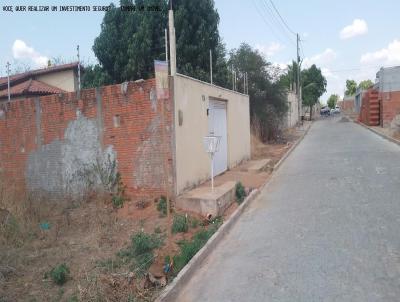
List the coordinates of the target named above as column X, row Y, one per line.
column 46, row 141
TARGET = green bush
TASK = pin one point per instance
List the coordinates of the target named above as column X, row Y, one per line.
column 240, row 192
column 194, row 223
column 140, row 253
column 60, row 274
column 190, row 248
column 180, row 224
column 162, row 205
column 157, row 230
column 117, row 201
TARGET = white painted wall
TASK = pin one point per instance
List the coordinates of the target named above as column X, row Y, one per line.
column 191, row 97
column 65, row 80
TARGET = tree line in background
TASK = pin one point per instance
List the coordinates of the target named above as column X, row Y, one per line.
column 312, row 83
column 129, row 42
column 351, row 89
column 351, row 86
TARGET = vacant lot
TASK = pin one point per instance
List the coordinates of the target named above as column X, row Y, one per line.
column 89, row 250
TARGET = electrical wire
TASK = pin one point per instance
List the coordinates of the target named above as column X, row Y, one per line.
column 278, row 25
column 261, row 13
column 282, row 19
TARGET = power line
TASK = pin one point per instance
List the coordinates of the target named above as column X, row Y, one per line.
column 260, row 12
column 276, row 21
column 283, row 20
column 366, row 67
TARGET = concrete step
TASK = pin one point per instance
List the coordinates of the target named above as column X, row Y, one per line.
column 204, row 201
column 255, row 165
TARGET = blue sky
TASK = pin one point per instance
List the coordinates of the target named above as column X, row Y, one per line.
column 346, row 39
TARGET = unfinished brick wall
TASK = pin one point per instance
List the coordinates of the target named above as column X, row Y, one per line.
column 389, row 106
column 45, row 142
column 369, row 111
column 348, row 106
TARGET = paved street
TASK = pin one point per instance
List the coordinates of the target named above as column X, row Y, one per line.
column 326, row 227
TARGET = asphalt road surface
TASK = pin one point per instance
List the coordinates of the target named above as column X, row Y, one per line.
column 326, row 227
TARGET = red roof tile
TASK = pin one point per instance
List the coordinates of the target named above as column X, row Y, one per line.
column 30, row 87
column 32, row 73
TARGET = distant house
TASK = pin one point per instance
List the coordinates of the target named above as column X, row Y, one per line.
column 40, row 82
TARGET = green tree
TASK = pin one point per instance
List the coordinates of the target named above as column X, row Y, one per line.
column 289, row 79
column 196, row 26
column 365, row 84
column 314, row 85
column 351, row 87
column 129, row 42
column 267, row 97
column 332, row 100
column 95, row 76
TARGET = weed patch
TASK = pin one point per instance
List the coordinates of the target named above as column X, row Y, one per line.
column 140, row 254
column 180, row 224
column 117, row 201
column 190, row 248
column 162, row 206
column 59, row 274
column 240, row 192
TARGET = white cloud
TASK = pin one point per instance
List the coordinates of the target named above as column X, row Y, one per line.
column 323, row 58
column 385, row 56
column 357, row 28
column 326, row 72
column 282, row 66
column 271, row 49
column 325, row 61
column 22, row 51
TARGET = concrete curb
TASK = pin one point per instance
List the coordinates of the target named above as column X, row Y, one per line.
column 278, row 164
column 171, row 292
column 391, row 139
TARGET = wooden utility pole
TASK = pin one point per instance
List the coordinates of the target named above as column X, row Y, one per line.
column 298, row 79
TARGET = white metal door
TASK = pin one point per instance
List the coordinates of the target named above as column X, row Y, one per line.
column 217, row 126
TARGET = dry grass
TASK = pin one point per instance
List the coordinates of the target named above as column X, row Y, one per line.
column 273, row 150
column 86, row 235
column 79, row 233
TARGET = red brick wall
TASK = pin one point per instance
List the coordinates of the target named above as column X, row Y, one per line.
column 130, row 123
column 348, row 105
column 369, row 111
column 390, row 106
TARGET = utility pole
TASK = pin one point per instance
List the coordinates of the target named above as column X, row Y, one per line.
column 247, row 83
column 244, row 82
column 211, row 67
column 166, row 45
column 8, row 80
column 172, row 45
column 298, row 79
column 233, row 80
column 79, row 71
